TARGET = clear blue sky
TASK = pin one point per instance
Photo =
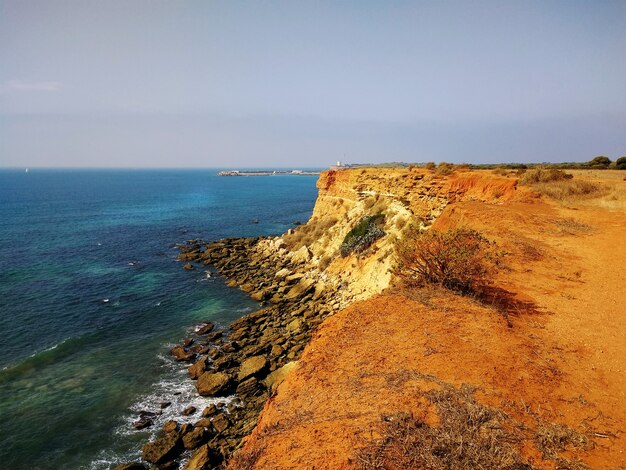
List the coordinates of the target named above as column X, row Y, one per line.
column 154, row 83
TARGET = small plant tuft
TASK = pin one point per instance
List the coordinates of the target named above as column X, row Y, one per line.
column 366, row 232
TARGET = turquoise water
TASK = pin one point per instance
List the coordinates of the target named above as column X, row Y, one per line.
column 91, row 299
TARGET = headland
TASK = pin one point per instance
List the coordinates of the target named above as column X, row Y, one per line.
column 356, row 359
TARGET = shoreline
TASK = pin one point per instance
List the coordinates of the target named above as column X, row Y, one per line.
column 245, row 363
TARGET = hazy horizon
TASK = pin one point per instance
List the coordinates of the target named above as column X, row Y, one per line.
column 202, row 84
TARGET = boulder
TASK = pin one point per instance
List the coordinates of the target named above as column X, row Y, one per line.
column 294, row 277
column 194, row 438
column 300, row 289
column 170, row 426
column 302, row 255
column 273, row 380
column 214, row 384
column 259, row 296
column 248, row 387
column 188, row 267
column 162, row 449
column 206, row 328
column 210, row 410
column 143, row 423
column 130, row 466
column 189, row 410
column 198, row 368
column 180, row 354
column 251, row 366
column 202, row 459
column 294, row 326
column 281, row 274
column 221, row 423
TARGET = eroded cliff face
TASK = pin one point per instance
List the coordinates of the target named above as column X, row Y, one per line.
column 408, row 198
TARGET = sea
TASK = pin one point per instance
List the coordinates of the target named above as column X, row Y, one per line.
column 92, row 299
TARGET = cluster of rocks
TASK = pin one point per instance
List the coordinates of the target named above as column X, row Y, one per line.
column 251, row 358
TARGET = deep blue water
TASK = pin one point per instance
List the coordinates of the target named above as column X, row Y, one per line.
column 91, row 298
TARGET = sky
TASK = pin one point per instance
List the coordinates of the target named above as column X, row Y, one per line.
column 155, row 83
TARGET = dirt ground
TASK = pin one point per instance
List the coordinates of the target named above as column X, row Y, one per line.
column 560, row 358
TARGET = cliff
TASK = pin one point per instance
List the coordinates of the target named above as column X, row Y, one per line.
column 422, row 377
column 347, row 366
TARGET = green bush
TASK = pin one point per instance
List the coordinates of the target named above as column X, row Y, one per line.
column 620, row 163
column 459, row 259
column 366, row 232
column 600, row 161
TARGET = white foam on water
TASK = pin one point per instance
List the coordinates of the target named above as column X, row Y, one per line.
column 175, row 387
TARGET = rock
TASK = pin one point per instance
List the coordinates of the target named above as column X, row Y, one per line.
column 251, row 366
column 259, row 296
column 143, row 423
column 273, row 380
column 210, row 410
column 300, row 289
column 162, row 449
column 248, row 387
column 294, row 277
column 214, row 384
column 301, row 255
column 198, row 368
column 180, row 354
column 203, row 423
column 205, row 329
column 221, row 423
column 283, row 273
column 170, row 426
column 277, row 350
column 130, row 466
column 187, row 342
column 189, row 410
column 188, row 267
column 194, row 438
column 294, row 326
column 165, row 404
column 247, row 288
column 320, row 288
column 202, row 459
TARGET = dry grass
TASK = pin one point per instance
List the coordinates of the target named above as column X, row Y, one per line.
column 561, row 186
column 469, row 435
column 570, row 190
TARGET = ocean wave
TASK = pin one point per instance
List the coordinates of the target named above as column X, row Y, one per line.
column 174, row 388
column 41, row 358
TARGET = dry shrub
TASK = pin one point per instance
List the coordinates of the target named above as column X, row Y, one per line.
column 430, row 166
column 445, row 169
column 542, row 175
column 570, row 189
column 469, row 436
column 459, row 259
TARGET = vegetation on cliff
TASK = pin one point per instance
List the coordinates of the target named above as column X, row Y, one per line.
column 363, row 235
column 460, row 259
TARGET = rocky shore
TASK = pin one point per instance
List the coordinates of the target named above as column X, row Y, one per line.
column 247, row 361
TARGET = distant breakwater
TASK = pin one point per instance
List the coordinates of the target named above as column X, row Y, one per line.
column 268, row 173
column 247, row 361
